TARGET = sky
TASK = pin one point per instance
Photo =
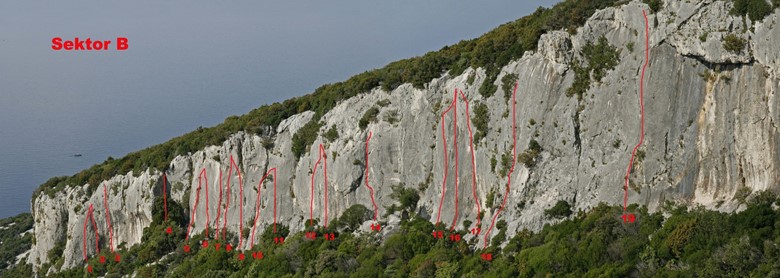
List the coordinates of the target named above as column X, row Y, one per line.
column 189, row 64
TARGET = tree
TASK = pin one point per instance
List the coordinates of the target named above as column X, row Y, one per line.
column 353, row 217
column 560, row 209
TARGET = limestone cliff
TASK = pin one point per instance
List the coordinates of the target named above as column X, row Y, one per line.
column 711, row 131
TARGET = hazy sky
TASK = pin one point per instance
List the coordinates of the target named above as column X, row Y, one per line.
column 190, row 64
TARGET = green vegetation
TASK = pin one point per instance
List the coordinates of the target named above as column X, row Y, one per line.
column 392, row 116
column 383, row 103
column 12, row 243
column 733, row 43
column 689, row 242
column 489, row 202
column 471, row 77
column 601, row 57
column 332, row 134
column 630, row 46
column 742, row 194
column 708, row 76
column 407, row 197
column 368, row 117
column 581, row 80
column 351, row 219
column 640, row 155
column 508, row 85
column 655, row 5
column 304, row 137
column 560, row 209
column 597, row 60
column 155, row 244
column 481, row 120
column 754, row 9
column 506, row 163
column 529, row 156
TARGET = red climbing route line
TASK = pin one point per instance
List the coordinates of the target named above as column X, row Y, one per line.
column 208, row 218
column 257, row 205
column 455, row 142
column 370, row 189
column 219, row 206
column 473, row 163
column 274, row 200
column 641, row 111
column 454, row 107
column 165, row 197
column 201, row 177
column 446, row 164
column 108, row 219
column 325, row 174
column 311, row 196
column 511, row 169
column 192, row 218
column 227, row 199
column 89, row 216
column 240, row 200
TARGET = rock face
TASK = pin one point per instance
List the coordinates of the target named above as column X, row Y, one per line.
column 711, row 131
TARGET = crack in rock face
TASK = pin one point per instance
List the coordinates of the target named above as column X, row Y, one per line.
column 711, row 129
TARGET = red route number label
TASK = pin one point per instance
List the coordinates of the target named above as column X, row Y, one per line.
column 58, row 43
column 330, row 236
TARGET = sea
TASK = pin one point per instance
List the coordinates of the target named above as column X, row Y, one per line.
column 189, row 64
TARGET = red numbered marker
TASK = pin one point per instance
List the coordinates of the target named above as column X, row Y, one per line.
column 257, row 255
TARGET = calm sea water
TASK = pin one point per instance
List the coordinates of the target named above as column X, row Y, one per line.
column 189, row 65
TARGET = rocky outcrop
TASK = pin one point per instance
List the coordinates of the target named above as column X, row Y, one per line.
column 711, row 131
